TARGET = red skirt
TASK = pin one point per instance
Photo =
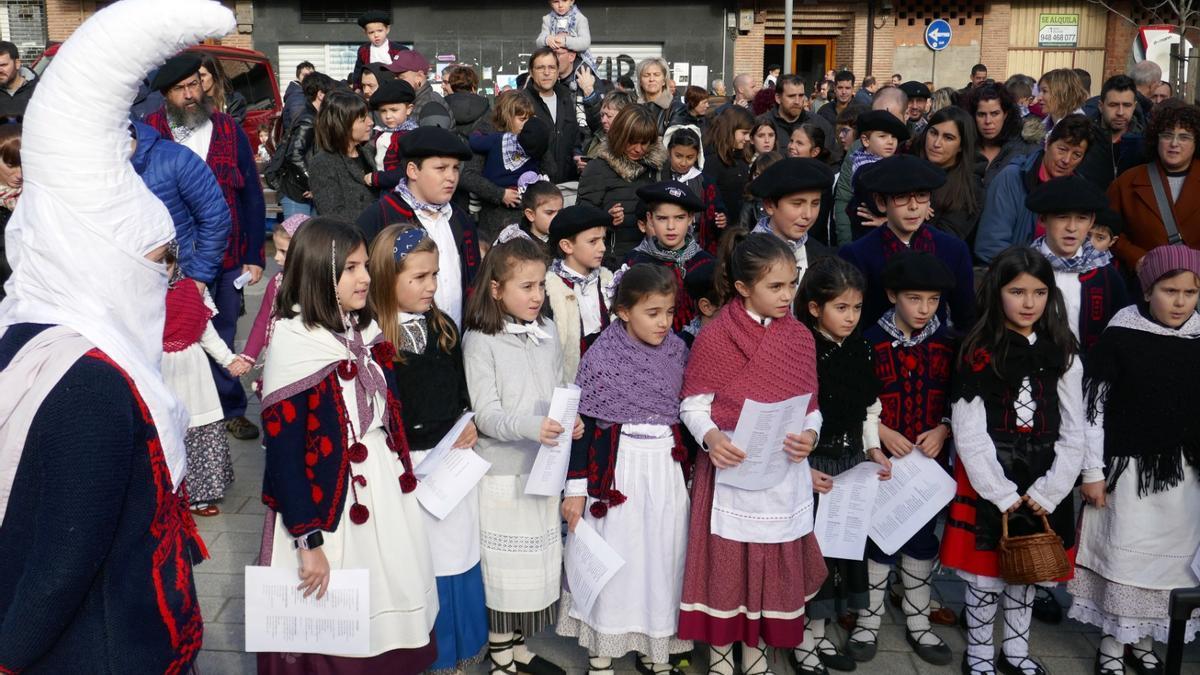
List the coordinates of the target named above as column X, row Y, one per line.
column 958, row 541
column 739, row 592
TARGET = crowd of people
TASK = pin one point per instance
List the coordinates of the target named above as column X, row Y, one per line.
column 1002, row 278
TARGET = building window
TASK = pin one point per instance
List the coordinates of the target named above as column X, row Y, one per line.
column 338, row 11
column 923, row 13
column 23, row 23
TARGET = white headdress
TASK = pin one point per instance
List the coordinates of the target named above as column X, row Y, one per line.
column 85, row 221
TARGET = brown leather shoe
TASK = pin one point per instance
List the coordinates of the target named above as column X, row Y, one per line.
column 241, row 428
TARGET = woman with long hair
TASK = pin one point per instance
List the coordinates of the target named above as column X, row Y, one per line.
column 727, row 154
column 950, row 142
column 630, row 158
column 219, row 90
column 342, row 158
column 998, row 123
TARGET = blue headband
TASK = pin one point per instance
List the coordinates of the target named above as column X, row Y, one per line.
column 406, row 241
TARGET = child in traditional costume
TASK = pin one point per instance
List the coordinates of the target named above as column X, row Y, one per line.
column 830, row 303
column 338, row 473
column 577, row 283
column 793, row 192
column 513, row 363
column 260, row 332
column 1017, row 419
column 1139, row 531
column 431, row 387
column 750, row 566
column 629, row 468
column 914, row 354
column 669, row 241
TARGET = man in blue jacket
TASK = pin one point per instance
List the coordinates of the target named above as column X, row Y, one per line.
column 1005, row 220
column 185, row 184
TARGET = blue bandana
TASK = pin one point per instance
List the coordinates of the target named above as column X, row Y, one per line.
column 1086, row 260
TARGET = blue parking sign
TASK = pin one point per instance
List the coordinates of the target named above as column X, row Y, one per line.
column 937, row 35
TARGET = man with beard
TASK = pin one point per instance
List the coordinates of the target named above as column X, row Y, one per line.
column 1117, row 126
column 188, row 118
column 15, row 90
column 790, row 113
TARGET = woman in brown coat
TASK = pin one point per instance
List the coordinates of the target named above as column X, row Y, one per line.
column 1171, row 141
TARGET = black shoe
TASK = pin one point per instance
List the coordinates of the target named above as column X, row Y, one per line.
column 835, row 660
column 241, row 428
column 539, row 666
column 861, row 651
column 801, row 669
column 1134, row 660
column 644, row 669
column 1046, row 607
column 966, row 666
column 1007, row 667
column 937, row 655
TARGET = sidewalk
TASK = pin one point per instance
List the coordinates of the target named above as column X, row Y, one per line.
column 233, row 539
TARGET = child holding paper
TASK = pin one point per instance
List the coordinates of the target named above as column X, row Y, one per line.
column 629, row 467
column 913, row 356
column 830, row 303
column 513, row 363
column 1017, row 415
column 752, row 559
column 431, row 388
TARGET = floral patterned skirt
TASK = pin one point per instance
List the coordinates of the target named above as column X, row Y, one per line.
column 210, row 469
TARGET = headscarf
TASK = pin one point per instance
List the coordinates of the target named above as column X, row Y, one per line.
column 85, row 221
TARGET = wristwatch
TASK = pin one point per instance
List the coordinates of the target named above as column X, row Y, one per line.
column 309, row 541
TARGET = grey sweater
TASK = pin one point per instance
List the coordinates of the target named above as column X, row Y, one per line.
column 337, row 183
column 511, row 380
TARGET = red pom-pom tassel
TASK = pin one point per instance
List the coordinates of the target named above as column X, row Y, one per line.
column 598, row 509
column 357, row 453
column 347, row 370
column 408, row 482
column 359, row 514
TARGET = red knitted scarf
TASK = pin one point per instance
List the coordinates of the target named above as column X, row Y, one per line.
column 187, row 316
column 737, row 358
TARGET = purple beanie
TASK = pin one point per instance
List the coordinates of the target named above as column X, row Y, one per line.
column 293, row 223
column 1164, row 259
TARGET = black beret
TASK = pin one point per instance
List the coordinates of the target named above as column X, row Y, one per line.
column 881, row 120
column 917, row 271
column 374, row 16
column 392, row 91
column 1063, row 195
column 699, row 282
column 914, row 89
column 899, row 174
column 792, row 175
column 433, row 142
column 175, row 70
column 670, row 192
column 534, row 138
column 575, row 219
column 1109, row 218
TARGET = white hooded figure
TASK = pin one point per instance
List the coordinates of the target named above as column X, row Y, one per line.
column 85, row 245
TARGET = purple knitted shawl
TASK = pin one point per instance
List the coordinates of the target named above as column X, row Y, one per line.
column 626, row 381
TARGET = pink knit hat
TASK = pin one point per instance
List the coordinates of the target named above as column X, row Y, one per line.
column 293, row 223
column 1164, row 259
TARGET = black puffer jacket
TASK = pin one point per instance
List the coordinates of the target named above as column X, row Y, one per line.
column 470, row 114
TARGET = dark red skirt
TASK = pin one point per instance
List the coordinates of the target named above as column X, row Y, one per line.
column 395, row 662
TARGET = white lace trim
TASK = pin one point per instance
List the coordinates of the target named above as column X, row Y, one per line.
column 1128, row 630
column 512, row 543
column 1130, row 317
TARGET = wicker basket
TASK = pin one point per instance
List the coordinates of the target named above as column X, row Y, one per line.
column 1032, row 558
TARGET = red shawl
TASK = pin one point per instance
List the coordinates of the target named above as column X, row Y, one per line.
column 737, row 358
column 187, row 316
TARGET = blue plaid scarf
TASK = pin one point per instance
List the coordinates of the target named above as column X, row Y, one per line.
column 511, row 152
column 764, row 227
column 418, row 205
column 407, row 125
column 678, row 257
column 888, row 323
column 1086, row 260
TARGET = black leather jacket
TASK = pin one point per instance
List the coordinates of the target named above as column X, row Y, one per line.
column 294, row 176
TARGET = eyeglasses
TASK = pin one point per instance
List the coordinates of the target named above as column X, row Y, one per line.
column 903, row 200
column 1182, row 139
column 845, row 131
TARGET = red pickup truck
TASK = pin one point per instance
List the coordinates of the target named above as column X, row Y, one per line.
column 248, row 71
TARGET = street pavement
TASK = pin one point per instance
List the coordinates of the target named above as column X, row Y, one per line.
column 233, row 540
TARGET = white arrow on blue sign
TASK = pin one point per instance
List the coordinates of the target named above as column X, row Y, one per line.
column 937, row 35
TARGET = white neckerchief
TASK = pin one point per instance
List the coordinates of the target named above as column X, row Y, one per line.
column 381, row 54
column 449, row 293
column 200, row 139
column 587, row 296
column 79, row 236
column 531, row 330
